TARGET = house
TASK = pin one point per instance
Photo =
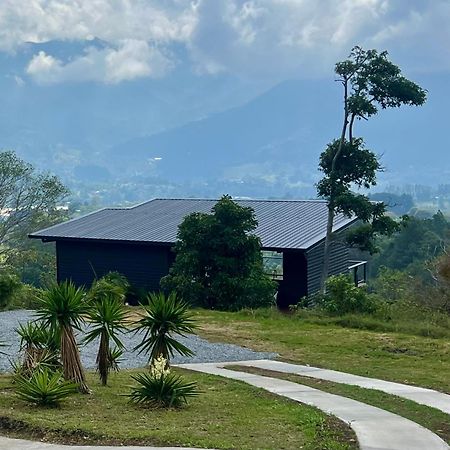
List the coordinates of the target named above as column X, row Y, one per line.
column 138, row 242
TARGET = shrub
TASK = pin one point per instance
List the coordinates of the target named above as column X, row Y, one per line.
column 161, row 388
column 9, row 284
column 44, row 388
column 343, row 297
column 113, row 284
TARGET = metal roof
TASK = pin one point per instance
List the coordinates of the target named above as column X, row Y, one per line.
column 282, row 224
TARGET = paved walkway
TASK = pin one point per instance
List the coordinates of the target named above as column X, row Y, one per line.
column 424, row 396
column 375, row 428
column 21, row 444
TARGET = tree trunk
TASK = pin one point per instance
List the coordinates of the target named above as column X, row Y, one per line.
column 103, row 360
column 70, row 358
column 327, row 249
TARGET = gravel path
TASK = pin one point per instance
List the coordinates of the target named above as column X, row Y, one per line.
column 204, row 351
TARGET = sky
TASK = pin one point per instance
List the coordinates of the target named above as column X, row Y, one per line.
column 260, row 39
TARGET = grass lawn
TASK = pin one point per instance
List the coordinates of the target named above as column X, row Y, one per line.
column 390, row 356
column 430, row 418
column 228, row 414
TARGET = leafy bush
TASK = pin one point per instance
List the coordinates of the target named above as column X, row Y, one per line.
column 9, row 284
column 161, row 388
column 44, row 388
column 113, row 284
column 343, row 297
column 163, row 318
column 26, row 297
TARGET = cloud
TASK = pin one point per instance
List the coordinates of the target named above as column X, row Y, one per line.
column 251, row 38
column 130, row 60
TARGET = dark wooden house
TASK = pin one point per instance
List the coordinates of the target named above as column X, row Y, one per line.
column 138, row 242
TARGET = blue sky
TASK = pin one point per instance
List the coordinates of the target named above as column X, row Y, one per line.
column 265, row 39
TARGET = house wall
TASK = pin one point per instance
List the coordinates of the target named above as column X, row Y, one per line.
column 339, row 262
column 143, row 265
column 294, row 284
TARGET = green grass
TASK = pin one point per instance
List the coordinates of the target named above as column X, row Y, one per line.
column 227, row 414
column 400, row 357
column 431, row 418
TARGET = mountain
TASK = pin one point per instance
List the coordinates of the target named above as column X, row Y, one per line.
column 283, row 131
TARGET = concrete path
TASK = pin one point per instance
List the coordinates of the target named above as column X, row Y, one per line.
column 424, row 396
column 21, row 444
column 375, row 428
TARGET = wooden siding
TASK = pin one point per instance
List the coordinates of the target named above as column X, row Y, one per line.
column 143, row 265
column 338, row 263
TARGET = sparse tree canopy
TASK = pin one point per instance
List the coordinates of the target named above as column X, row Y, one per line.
column 370, row 82
column 28, row 199
column 219, row 263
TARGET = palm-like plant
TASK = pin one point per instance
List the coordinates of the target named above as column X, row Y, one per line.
column 39, row 346
column 163, row 318
column 107, row 318
column 62, row 307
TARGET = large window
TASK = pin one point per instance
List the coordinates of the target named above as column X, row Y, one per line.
column 273, row 264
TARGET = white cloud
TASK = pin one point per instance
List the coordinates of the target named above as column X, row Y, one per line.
column 130, row 60
column 274, row 38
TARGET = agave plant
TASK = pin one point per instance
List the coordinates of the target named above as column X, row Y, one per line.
column 44, row 387
column 163, row 318
column 63, row 307
column 107, row 318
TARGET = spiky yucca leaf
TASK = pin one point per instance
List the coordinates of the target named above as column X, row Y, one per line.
column 167, row 390
column 44, row 387
column 108, row 318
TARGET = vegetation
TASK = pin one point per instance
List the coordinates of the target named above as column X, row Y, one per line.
column 113, row 284
column 9, row 285
column 218, row 262
column 370, row 81
column 356, row 343
column 161, row 387
column 431, row 418
column 62, row 308
column 107, row 317
column 219, row 418
column 44, row 387
column 163, row 318
column 29, row 201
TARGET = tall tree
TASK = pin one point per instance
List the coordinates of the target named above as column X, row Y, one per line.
column 28, row 201
column 370, row 81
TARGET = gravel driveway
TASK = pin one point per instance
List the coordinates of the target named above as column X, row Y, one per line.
column 204, row 351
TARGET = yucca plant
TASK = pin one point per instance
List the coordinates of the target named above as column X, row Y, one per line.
column 2, row 344
column 38, row 345
column 63, row 307
column 44, row 387
column 163, row 318
column 161, row 388
column 107, row 318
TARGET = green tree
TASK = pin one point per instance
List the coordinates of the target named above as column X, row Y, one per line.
column 370, row 81
column 218, row 261
column 63, row 307
column 29, row 200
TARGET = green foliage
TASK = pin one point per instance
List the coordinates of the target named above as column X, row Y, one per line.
column 107, row 318
column 44, row 388
column 343, row 297
column 9, row 285
column 418, row 241
column 163, row 318
column 61, row 305
column 166, row 390
column 370, row 81
column 218, row 261
column 113, row 284
column 26, row 297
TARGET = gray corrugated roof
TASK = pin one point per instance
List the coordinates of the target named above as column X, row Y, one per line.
column 282, row 224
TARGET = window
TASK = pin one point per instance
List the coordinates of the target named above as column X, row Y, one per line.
column 273, row 264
